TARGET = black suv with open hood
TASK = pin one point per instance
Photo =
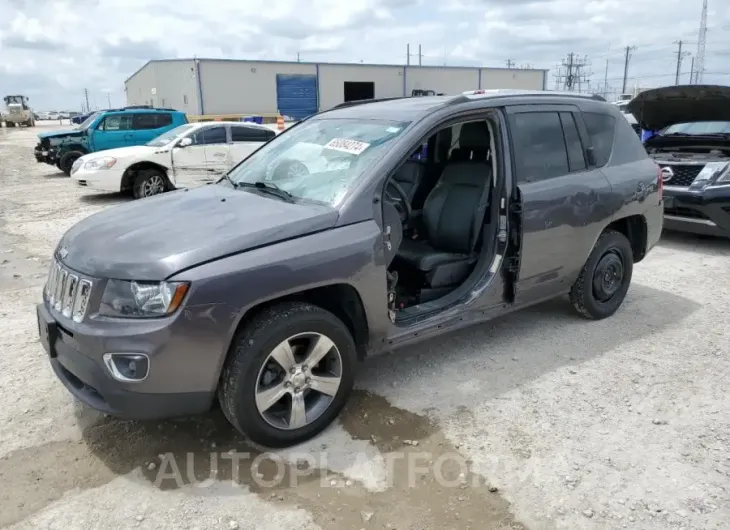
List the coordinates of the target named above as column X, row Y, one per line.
column 693, row 151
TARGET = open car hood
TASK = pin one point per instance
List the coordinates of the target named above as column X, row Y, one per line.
column 661, row 107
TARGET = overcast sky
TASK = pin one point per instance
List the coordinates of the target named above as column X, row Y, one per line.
column 51, row 50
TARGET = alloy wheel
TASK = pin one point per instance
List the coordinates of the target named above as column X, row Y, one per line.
column 298, row 381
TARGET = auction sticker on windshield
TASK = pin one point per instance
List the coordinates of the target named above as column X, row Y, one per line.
column 347, row 146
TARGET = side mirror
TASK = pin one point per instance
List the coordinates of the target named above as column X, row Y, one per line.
column 185, row 142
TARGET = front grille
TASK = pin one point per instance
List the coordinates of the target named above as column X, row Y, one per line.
column 684, row 175
column 67, row 292
column 680, row 211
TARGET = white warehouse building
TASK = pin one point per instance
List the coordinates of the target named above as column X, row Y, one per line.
column 298, row 89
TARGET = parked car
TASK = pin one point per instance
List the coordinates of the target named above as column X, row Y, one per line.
column 692, row 146
column 187, row 156
column 105, row 130
column 81, row 118
column 265, row 294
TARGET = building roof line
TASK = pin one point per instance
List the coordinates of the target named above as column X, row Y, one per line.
column 315, row 63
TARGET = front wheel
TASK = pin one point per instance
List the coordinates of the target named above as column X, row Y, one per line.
column 149, row 182
column 605, row 278
column 67, row 160
column 288, row 375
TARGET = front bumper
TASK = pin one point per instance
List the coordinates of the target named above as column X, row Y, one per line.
column 103, row 180
column 703, row 212
column 76, row 353
column 44, row 154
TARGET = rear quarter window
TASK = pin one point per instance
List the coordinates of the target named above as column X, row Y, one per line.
column 602, row 130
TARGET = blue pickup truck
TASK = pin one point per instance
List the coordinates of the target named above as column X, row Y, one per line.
column 103, row 130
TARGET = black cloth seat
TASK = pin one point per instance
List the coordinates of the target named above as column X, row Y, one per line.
column 452, row 216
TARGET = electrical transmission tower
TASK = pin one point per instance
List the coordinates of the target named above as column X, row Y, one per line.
column 572, row 75
column 701, row 41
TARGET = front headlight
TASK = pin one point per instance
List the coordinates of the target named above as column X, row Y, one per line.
column 100, row 163
column 720, row 171
column 142, row 299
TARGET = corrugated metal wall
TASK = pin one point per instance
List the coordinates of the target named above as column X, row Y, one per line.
column 450, row 81
column 174, row 84
column 388, row 81
column 249, row 87
column 233, row 87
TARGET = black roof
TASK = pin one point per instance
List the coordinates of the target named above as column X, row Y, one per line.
column 407, row 108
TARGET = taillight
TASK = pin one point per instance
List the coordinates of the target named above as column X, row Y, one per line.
column 659, row 182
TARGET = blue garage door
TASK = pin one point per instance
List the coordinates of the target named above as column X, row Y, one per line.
column 296, row 95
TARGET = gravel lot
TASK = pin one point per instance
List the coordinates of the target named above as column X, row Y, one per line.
column 564, row 423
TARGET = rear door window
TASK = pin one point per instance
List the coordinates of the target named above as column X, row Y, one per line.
column 243, row 133
column 539, row 145
column 151, row 120
column 601, row 129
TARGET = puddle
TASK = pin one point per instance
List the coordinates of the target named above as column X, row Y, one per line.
column 429, row 483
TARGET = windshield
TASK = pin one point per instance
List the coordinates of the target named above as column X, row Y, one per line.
column 699, row 127
column 169, row 136
column 320, row 159
column 87, row 122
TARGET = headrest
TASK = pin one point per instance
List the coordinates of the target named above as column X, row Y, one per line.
column 474, row 135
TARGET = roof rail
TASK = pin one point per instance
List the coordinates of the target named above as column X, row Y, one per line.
column 364, row 101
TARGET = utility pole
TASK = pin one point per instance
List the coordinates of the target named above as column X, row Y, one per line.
column 299, row 57
column 691, row 70
column 605, row 82
column 86, row 95
column 629, row 49
column 109, row 99
column 571, row 73
column 408, row 54
column 680, row 55
column 420, row 55
column 510, row 63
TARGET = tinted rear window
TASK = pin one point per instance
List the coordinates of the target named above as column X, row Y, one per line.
column 601, row 129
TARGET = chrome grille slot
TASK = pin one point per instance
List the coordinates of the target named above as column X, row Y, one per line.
column 67, row 292
column 82, row 300
column 63, row 274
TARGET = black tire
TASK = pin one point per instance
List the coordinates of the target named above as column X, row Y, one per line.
column 9, row 124
column 250, row 350
column 67, row 160
column 149, row 182
column 611, row 248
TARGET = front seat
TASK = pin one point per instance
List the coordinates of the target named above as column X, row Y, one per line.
column 452, row 214
column 409, row 177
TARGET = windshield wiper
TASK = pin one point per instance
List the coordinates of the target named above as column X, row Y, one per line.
column 226, row 177
column 267, row 187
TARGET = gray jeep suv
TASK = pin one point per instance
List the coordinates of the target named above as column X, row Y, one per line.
column 394, row 221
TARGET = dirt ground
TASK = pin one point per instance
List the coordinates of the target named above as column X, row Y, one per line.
column 539, row 420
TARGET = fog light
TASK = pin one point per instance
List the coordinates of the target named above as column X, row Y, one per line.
column 127, row 367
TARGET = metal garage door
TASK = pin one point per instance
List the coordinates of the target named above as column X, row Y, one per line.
column 296, row 95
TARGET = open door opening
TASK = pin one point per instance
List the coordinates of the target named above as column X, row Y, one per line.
column 357, row 90
column 447, row 202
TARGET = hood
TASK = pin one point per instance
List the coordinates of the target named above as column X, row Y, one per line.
column 661, row 107
column 123, row 152
column 60, row 134
column 153, row 238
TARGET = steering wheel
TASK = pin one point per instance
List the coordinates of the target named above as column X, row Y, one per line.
column 402, row 204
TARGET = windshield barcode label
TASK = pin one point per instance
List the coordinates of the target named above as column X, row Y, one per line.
column 347, row 146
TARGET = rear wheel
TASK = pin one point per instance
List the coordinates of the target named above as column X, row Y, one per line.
column 289, row 373
column 67, row 161
column 605, row 278
column 149, row 182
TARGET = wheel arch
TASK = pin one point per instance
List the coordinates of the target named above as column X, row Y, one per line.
column 133, row 170
column 341, row 299
column 634, row 228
